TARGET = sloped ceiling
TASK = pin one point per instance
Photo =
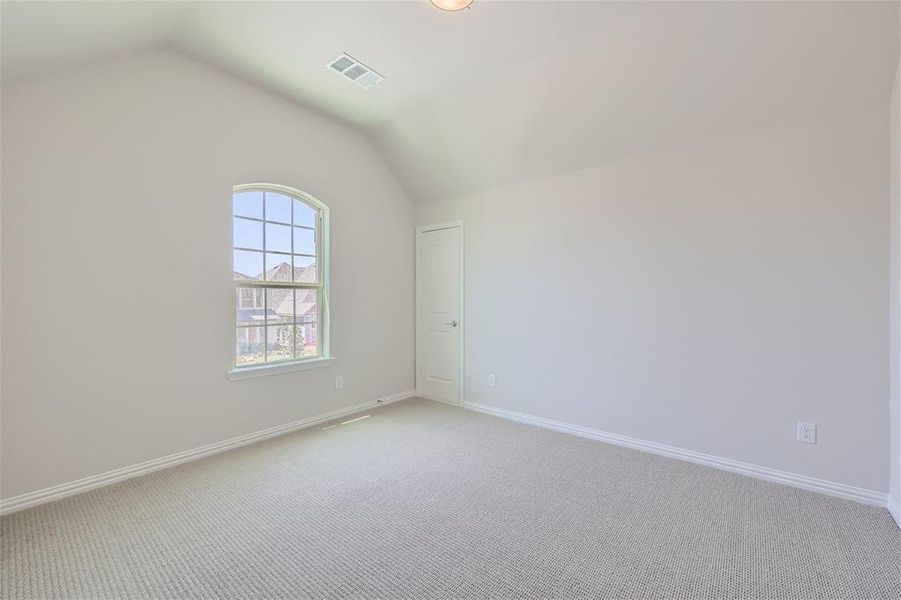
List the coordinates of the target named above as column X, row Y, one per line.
column 506, row 91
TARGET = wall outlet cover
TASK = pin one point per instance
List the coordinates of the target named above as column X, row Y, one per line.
column 807, row 432
column 492, row 380
column 339, row 382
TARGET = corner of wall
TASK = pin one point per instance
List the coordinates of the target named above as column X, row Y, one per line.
column 895, row 298
column 894, row 509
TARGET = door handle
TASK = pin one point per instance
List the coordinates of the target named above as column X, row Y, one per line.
column 451, row 323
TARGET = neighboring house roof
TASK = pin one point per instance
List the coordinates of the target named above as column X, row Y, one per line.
column 282, row 272
column 283, row 299
column 306, row 304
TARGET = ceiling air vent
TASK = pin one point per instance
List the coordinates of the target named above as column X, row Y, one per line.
column 350, row 67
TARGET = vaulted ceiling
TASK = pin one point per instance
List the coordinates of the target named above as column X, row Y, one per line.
column 506, row 91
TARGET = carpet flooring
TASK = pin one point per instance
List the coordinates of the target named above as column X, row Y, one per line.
column 423, row 500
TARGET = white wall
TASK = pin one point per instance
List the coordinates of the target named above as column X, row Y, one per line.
column 706, row 297
column 117, row 291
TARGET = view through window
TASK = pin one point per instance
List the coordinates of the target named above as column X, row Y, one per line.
column 279, row 287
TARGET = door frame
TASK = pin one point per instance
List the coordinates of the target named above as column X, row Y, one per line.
column 460, row 318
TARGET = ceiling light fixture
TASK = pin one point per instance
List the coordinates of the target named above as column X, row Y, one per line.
column 451, row 5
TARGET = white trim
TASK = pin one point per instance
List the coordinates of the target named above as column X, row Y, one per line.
column 436, row 399
column 895, row 510
column 784, row 477
column 239, row 373
column 461, row 340
column 439, row 226
column 57, row 492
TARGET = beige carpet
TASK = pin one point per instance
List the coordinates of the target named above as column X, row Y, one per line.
column 422, row 500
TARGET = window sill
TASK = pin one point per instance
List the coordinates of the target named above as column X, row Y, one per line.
column 237, row 374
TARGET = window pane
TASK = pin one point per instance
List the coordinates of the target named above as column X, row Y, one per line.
column 278, row 238
column 278, row 267
column 304, row 241
column 305, row 269
column 249, row 349
column 278, row 207
column 248, row 234
column 304, row 214
column 248, row 265
column 249, row 307
column 248, row 204
column 306, row 340
column 280, row 344
column 280, row 303
column 305, row 308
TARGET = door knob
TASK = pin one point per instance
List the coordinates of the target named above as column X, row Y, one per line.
column 451, row 323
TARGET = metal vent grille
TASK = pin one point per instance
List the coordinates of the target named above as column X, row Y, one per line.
column 341, row 64
column 355, row 71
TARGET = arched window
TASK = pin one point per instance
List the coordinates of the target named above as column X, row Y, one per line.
column 281, row 275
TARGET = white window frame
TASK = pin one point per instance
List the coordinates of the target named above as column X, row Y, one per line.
column 324, row 357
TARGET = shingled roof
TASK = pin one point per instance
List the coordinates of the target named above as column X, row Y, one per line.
column 306, row 303
column 284, row 299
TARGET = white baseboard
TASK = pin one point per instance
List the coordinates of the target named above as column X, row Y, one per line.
column 57, row 492
column 895, row 509
column 784, row 477
column 435, row 399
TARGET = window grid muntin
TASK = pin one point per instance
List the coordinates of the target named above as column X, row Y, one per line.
column 318, row 285
column 293, row 323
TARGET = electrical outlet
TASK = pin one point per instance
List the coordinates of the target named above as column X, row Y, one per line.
column 492, row 380
column 807, row 432
column 339, row 382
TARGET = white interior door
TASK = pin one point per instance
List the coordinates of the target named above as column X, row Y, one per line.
column 439, row 323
